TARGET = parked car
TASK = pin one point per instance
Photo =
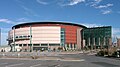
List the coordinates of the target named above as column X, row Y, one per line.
column 117, row 54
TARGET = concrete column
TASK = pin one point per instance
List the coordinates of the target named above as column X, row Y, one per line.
column 66, row 47
column 22, row 45
column 79, row 40
column 48, row 46
column 27, row 45
column 69, row 46
column 94, row 43
column 31, row 45
column 99, row 41
column 83, row 43
column 73, row 47
column 89, row 41
column 104, row 41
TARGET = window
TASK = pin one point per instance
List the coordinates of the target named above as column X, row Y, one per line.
column 16, row 44
column 62, row 29
column 36, row 44
column 44, row 44
column 62, row 32
column 24, row 36
column 16, row 37
column 62, row 36
column 20, row 36
column 20, row 44
column 29, row 35
column 24, row 44
column 62, row 40
column 54, row 44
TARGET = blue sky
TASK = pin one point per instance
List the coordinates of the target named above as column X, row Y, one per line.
column 90, row 13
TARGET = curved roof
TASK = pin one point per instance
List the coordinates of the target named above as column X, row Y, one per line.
column 31, row 23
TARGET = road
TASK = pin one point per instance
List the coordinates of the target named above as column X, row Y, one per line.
column 89, row 61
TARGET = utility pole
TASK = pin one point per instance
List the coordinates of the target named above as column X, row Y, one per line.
column 14, row 39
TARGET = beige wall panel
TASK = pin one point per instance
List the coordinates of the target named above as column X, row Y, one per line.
column 79, row 38
column 46, row 41
column 46, row 28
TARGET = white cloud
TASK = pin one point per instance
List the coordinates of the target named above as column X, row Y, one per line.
column 71, row 2
column 74, row 2
column 95, row 3
column 109, row 5
column 91, row 25
column 20, row 22
column 6, row 21
column 106, row 11
column 23, row 19
column 104, row 6
column 42, row 2
column 17, row 21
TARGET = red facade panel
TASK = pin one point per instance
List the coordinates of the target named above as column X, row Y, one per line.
column 70, row 34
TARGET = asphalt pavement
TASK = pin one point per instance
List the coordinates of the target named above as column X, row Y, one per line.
column 87, row 61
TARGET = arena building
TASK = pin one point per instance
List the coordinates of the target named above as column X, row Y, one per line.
column 97, row 37
column 46, row 36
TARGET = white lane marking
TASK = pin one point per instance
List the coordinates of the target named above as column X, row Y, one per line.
column 14, row 65
column 74, row 60
column 35, row 65
column 3, row 63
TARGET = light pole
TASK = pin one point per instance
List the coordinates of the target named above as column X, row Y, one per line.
column 14, row 39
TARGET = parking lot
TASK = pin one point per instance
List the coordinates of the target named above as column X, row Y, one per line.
column 78, row 60
column 35, row 63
